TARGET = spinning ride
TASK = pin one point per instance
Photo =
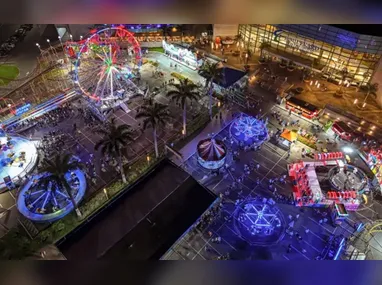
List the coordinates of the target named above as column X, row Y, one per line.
column 106, row 64
column 18, row 156
column 348, row 178
column 211, row 153
column 41, row 202
column 249, row 130
column 259, row 222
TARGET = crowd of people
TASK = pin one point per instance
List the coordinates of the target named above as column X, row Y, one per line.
column 53, row 143
column 48, row 119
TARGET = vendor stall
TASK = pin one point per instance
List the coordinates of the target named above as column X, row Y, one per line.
column 287, row 138
column 182, row 55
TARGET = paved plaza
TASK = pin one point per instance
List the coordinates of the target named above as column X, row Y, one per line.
column 82, row 141
column 200, row 244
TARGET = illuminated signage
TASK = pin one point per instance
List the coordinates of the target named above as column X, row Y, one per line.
column 23, row 109
column 295, row 43
column 277, row 35
column 302, row 46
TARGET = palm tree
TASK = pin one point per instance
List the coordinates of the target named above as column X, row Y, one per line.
column 344, row 73
column 248, row 55
column 371, row 88
column 56, row 170
column 263, row 46
column 113, row 142
column 153, row 115
column 185, row 90
column 212, row 72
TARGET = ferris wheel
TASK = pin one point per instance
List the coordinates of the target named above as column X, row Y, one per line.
column 106, row 64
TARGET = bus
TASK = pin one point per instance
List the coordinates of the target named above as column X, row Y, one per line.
column 302, row 108
column 343, row 130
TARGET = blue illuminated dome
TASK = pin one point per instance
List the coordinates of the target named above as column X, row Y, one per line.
column 47, row 203
column 249, row 130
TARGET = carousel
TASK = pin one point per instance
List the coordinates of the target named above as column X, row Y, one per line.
column 211, row 153
column 259, row 221
column 249, row 130
column 18, row 156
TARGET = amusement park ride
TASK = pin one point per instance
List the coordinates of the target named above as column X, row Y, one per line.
column 105, row 65
column 328, row 180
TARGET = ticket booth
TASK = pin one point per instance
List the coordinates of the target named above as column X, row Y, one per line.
column 338, row 213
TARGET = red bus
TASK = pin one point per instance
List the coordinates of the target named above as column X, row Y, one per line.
column 303, row 108
column 343, row 130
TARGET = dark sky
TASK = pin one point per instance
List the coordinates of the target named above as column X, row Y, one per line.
column 366, row 29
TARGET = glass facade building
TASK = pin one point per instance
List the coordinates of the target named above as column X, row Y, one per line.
column 324, row 48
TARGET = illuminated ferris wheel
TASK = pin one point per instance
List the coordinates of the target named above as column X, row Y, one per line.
column 106, row 64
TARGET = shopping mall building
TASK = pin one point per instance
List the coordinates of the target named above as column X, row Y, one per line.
column 325, row 48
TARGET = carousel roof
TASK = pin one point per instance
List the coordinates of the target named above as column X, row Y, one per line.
column 211, row 149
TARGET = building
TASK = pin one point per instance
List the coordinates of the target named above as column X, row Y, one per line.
column 324, row 48
column 224, row 31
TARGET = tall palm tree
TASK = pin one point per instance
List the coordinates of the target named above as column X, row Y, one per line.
column 263, row 46
column 212, row 72
column 344, row 73
column 153, row 115
column 248, row 55
column 56, row 170
column 184, row 91
column 113, row 142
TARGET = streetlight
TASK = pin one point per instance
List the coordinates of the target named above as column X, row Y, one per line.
column 39, row 47
column 71, row 36
column 81, row 38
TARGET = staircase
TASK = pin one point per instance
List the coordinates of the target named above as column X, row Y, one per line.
column 125, row 108
column 28, row 226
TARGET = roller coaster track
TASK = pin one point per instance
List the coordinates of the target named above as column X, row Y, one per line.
column 29, row 80
column 376, row 227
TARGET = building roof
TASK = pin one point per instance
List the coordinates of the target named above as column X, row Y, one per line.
column 303, row 104
column 230, row 77
column 108, row 234
column 289, row 135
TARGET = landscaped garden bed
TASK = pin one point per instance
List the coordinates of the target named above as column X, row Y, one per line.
column 180, row 76
column 8, row 73
column 308, row 140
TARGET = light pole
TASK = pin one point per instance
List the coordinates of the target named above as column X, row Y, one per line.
column 51, row 48
column 39, row 47
column 41, row 53
column 65, row 55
